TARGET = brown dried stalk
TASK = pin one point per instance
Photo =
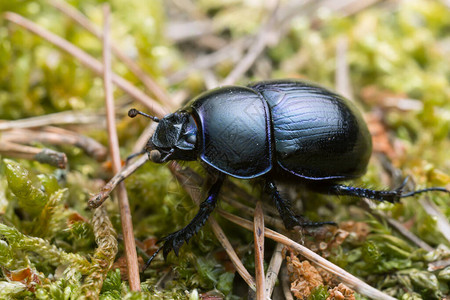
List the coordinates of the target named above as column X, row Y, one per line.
column 45, row 156
column 264, row 36
column 342, row 275
column 342, row 76
column 148, row 82
column 125, row 216
column 348, row 7
column 258, row 235
column 56, row 136
column 193, row 190
column 233, row 52
column 98, row 199
column 285, row 283
column 65, row 117
column 88, row 61
column 273, row 269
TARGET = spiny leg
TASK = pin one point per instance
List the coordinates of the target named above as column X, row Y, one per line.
column 175, row 240
column 389, row 196
column 289, row 218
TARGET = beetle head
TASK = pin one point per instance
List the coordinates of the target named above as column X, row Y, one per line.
column 174, row 138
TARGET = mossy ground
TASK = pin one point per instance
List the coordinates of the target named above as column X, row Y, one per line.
column 398, row 57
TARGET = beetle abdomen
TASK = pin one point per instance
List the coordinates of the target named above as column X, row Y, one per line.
column 318, row 134
column 235, row 131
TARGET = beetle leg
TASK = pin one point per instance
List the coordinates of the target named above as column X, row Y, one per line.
column 389, row 196
column 289, row 218
column 175, row 240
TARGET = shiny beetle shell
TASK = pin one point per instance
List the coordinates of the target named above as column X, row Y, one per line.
column 301, row 128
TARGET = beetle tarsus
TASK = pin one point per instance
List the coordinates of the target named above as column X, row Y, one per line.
column 149, row 261
column 317, row 224
column 175, row 240
column 289, row 218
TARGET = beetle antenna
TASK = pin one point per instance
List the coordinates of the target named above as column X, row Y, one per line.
column 151, row 258
column 438, row 189
column 134, row 112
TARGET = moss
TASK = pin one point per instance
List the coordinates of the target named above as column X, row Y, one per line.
column 46, row 228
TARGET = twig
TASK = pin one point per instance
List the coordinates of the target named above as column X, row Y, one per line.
column 233, row 51
column 148, row 82
column 447, row 3
column 56, row 136
column 98, row 199
column 61, row 118
column 125, row 216
column 231, row 191
column 276, row 222
column 284, row 277
column 348, row 7
column 243, row 195
column 182, row 31
column 257, row 47
column 192, row 189
column 441, row 220
column 438, row 265
column 258, row 235
column 232, row 254
column 45, row 156
column 342, row 77
column 273, row 269
column 342, row 275
column 88, row 61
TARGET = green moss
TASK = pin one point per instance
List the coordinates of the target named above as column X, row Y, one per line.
column 43, row 216
column 319, row 293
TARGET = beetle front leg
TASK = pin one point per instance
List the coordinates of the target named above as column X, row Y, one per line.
column 289, row 218
column 175, row 240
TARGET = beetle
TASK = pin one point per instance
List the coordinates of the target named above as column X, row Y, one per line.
column 280, row 130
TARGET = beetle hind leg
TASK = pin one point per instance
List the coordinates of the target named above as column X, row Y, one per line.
column 290, row 219
column 175, row 240
column 392, row 196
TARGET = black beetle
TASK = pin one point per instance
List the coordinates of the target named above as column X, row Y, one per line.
column 278, row 130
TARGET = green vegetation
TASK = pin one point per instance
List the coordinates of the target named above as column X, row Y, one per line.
column 53, row 247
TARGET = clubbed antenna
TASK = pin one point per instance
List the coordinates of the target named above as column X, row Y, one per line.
column 134, row 112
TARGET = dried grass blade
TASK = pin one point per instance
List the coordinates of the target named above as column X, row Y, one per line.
column 258, row 234
column 88, row 61
column 347, row 278
column 125, row 216
column 149, row 83
column 273, row 269
column 190, row 184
